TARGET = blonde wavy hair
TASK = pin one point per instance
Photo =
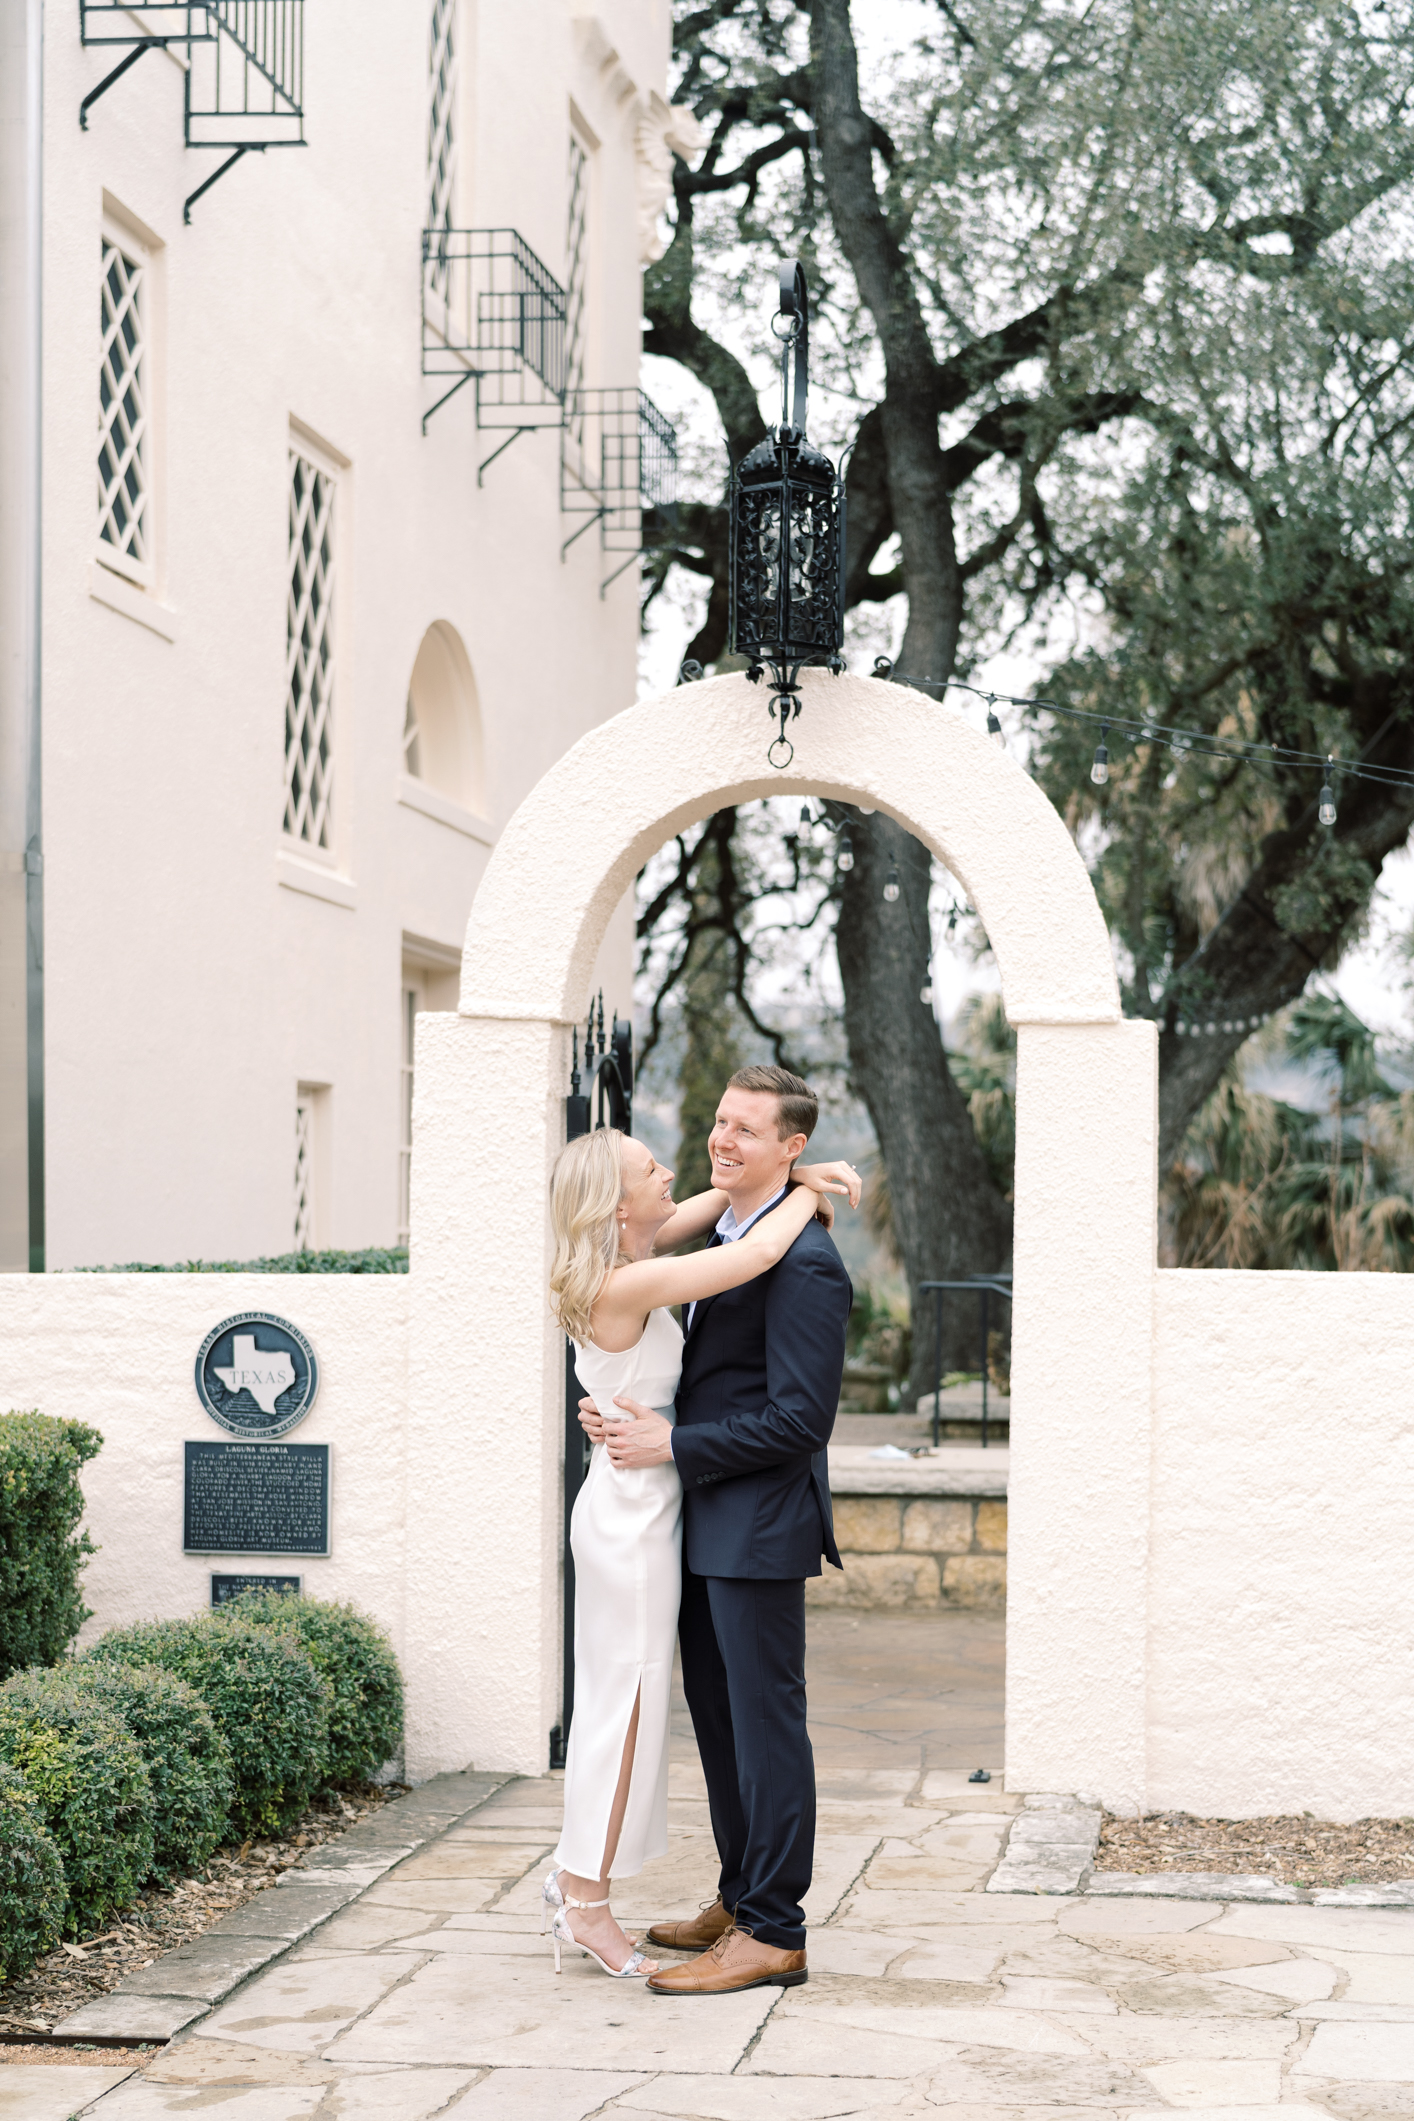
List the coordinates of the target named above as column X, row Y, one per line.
column 584, row 1196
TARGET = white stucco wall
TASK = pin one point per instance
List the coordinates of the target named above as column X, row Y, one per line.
column 119, row 1350
column 190, row 986
column 1281, row 1654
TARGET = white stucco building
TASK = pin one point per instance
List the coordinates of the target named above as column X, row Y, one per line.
column 286, row 660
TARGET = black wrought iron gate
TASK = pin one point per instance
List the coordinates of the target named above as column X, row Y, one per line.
column 604, row 1098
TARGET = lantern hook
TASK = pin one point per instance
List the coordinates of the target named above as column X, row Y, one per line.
column 794, row 305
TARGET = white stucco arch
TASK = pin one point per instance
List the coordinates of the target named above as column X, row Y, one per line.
column 593, row 820
column 486, row 1367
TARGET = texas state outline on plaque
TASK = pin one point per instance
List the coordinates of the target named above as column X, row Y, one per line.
column 263, row 1372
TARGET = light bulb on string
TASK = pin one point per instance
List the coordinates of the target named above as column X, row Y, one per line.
column 994, row 728
column 925, row 993
column 807, row 816
column 891, row 888
column 844, row 859
column 1326, row 808
column 1100, row 770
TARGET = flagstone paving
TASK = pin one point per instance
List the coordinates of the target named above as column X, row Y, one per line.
column 434, row 1992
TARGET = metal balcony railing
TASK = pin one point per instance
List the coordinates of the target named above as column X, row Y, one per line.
column 244, row 81
column 494, row 314
column 618, row 463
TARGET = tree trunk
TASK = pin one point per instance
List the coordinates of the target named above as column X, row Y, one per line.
column 896, row 1055
column 946, row 1226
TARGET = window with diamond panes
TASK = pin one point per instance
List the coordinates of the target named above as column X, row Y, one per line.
column 124, row 499
column 304, row 1170
column 309, row 667
column 442, row 132
column 576, row 273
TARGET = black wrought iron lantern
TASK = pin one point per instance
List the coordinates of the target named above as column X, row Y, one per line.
column 787, row 537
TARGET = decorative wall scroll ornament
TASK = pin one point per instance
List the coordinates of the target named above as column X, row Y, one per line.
column 787, row 538
column 256, row 1375
column 663, row 130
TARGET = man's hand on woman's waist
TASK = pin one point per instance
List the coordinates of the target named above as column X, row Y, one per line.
column 642, row 1439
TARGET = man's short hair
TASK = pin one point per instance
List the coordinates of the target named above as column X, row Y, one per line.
column 799, row 1106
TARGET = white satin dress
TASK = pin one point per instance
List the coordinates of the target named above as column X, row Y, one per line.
column 626, row 1538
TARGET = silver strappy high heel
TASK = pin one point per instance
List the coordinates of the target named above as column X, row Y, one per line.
column 550, row 1898
column 563, row 1934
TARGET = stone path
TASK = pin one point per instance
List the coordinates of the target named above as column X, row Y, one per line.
column 433, row 1992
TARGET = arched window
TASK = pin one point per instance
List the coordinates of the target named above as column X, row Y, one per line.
column 442, row 744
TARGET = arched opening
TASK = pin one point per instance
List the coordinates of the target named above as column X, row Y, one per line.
column 442, row 739
column 489, row 1124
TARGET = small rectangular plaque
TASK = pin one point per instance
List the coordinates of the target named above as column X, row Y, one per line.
column 256, row 1498
column 225, row 1588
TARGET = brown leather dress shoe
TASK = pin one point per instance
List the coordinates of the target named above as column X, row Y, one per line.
column 696, row 1934
column 736, row 1961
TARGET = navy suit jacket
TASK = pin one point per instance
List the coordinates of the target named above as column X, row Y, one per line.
column 761, row 1373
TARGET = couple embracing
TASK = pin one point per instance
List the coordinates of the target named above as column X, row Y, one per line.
column 705, row 1508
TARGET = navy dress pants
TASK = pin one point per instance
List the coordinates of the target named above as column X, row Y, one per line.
column 743, row 1671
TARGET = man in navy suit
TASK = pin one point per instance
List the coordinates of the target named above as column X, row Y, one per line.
column 761, row 1375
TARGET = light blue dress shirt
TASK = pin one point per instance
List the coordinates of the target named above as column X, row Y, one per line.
column 729, row 1230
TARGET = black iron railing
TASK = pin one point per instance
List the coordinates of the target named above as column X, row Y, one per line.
column 606, row 1079
column 618, row 463
column 244, row 77
column 493, row 314
column 985, row 1287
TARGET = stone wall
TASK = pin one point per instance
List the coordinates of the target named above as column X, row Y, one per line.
column 916, row 1551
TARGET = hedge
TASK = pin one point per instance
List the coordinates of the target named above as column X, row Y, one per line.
column 86, row 1768
column 265, row 1696
column 42, row 1553
column 188, row 1760
column 372, row 1259
column 366, row 1718
column 33, row 1896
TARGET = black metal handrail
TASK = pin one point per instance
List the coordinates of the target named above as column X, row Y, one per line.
column 984, row 1287
column 491, row 306
column 243, row 84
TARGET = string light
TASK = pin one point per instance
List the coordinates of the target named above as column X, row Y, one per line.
column 845, row 857
column 1326, row 809
column 1179, row 741
column 891, row 888
column 925, row 992
column 1100, row 770
column 807, row 815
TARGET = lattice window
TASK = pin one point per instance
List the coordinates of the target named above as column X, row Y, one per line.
column 410, row 1006
column 309, row 664
column 577, row 266
column 124, row 501
column 304, row 1169
column 441, row 135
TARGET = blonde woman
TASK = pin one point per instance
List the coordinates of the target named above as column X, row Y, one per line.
column 610, row 1288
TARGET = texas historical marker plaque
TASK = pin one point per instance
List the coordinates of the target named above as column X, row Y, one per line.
column 256, row 1498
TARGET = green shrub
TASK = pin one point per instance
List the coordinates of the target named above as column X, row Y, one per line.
column 86, row 1768
column 188, row 1760
column 269, row 1703
column 355, row 1656
column 41, row 1552
column 33, row 1896
column 372, row 1259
